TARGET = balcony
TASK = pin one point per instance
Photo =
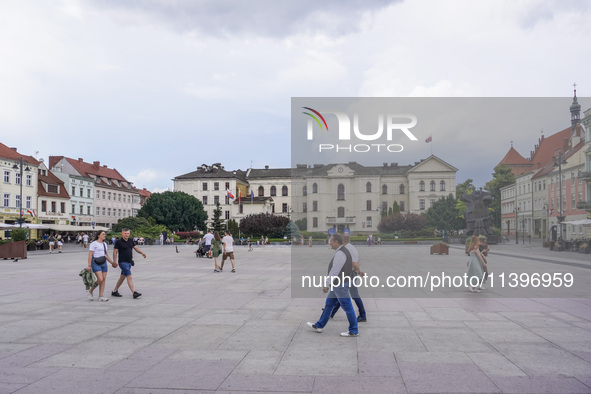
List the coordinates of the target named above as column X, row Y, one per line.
column 585, row 175
column 345, row 220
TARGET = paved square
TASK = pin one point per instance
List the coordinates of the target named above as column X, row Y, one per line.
column 193, row 330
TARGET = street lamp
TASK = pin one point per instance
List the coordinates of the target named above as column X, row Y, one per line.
column 20, row 168
column 516, row 226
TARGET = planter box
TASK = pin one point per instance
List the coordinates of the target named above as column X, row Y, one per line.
column 14, row 250
column 440, row 249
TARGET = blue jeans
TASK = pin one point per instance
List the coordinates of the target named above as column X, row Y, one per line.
column 339, row 295
column 355, row 296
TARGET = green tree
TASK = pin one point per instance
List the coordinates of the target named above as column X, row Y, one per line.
column 501, row 177
column 461, row 188
column 444, row 215
column 178, row 211
column 19, row 234
column 233, row 227
column 302, row 224
column 132, row 223
column 217, row 223
column 391, row 223
column 395, row 208
column 414, row 221
column 265, row 224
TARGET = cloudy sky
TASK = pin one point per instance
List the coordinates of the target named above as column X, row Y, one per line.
column 155, row 88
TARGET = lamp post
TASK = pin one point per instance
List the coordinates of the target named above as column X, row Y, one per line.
column 516, row 226
column 20, row 168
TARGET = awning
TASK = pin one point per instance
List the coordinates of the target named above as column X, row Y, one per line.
column 31, row 226
column 581, row 222
column 67, row 227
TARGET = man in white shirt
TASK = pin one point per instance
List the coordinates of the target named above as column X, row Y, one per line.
column 228, row 243
column 207, row 238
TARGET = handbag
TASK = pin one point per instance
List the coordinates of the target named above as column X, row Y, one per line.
column 101, row 259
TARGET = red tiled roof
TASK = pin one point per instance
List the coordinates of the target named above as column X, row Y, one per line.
column 87, row 169
column 51, row 179
column 11, row 153
column 514, row 158
column 144, row 192
column 549, row 147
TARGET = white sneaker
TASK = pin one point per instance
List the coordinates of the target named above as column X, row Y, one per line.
column 90, row 296
column 482, row 288
column 349, row 334
column 103, row 299
column 313, row 327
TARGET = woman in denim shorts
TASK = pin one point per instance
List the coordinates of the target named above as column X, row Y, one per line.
column 99, row 248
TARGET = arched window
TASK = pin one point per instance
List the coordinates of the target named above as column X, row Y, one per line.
column 384, row 189
column 368, row 187
column 340, row 192
column 432, row 186
column 401, row 189
column 284, row 191
column 261, row 191
column 341, row 212
column 442, row 186
column 421, row 186
column 273, row 191
column 305, row 191
column 314, row 188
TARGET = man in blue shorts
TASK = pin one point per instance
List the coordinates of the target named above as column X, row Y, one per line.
column 208, row 238
column 124, row 247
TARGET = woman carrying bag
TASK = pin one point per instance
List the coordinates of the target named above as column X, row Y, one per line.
column 97, row 262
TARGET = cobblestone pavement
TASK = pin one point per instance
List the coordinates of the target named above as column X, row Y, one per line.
column 193, row 330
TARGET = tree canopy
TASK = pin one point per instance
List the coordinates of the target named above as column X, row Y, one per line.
column 444, row 215
column 501, row 177
column 264, row 224
column 217, row 223
column 178, row 211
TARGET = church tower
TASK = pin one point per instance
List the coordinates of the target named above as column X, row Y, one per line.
column 575, row 111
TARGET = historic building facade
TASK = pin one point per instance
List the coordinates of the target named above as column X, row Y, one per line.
column 332, row 196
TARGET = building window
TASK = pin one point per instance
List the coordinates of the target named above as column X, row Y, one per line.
column 29, row 203
column 314, row 206
column 109, row 197
column 572, row 201
column 81, row 192
column 204, row 199
column 52, row 189
column 432, row 186
column 368, row 221
column 104, row 195
column 401, row 189
column 216, row 200
column 442, row 186
column 204, row 185
column 63, row 207
column 73, row 209
column 284, row 207
column 305, row 191
column 284, row 191
column 82, row 210
column 108, row 211
column 431, row 202
column 315, row 222
column 29, row 181
column 261, row 191
column 104, row 212
column 368, row 205
column 227, row 200
column 98, row 211
column 401, row 206
column 384, row 207
column 98, row 194
column 43, row 205
column 128, row 199
column 6, row 199
column 314, row 188
column 341, row 212
column 88, row 208
column 119, row 197
column 227, row 214
column 422, row 204
column 73, row 191
column 216, row 186
column 273, row 208
column 341, row 192
column 17, row 178
column 368, row 187
column 273, row 191
column 6, row 176
column 305, row 207
column 17, row 200
column 384, row 189
column 88, row 193
column 421, row 186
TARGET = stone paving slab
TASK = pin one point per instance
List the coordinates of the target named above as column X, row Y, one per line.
column 196, row 331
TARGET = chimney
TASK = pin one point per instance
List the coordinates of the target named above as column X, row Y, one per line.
column 385, row 164
column 565, row 144
column 266, row 167
column 80, row 160
column 97, row 164
column 14, row 149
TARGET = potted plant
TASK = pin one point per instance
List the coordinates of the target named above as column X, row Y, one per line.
column 440, row 248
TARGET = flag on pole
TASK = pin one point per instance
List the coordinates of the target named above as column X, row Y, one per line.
column 31, row 212
column 229, row 194
column 429, row 139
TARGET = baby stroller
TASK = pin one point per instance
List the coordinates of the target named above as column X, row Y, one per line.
column 200, row 252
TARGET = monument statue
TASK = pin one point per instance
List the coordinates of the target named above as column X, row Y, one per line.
column 478, row 217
